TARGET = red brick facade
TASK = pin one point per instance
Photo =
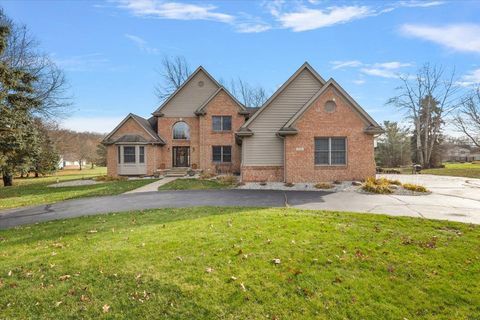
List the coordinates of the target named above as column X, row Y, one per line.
column 346, row 120
column 316, row 122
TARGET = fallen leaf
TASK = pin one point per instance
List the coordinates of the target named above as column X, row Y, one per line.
column 243, row 287
column 106, row 308
column 276, row 261
column 64, row 277
column 10, row 273
column 209, row 270
column 58, row 303
column 93, row 231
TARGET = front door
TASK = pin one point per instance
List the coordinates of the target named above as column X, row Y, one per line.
column 181, row 156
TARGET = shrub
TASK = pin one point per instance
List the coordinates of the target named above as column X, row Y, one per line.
column 380, row 186
column 323, row 185
column 263, row 183
column 207, row 175
column 415, row 187
column 228, row 179
column 289, row 184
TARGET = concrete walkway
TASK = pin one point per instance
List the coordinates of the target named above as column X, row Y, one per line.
column 152, row 186
column 452, row 198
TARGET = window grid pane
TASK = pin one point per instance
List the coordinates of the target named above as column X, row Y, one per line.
column 141, row 155
column 330, row 151
column 217, row 123
column 226, row 154
column 128, row 154
column 217, row 154
column 227, row 123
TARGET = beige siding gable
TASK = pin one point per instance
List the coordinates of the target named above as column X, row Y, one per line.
column 190, row 97
column 265, row 147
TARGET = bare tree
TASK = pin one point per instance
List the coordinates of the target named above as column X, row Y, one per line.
column 50, row 87
column 467, row 119
column 173, row 73
column 428, row 99
column 251, row 97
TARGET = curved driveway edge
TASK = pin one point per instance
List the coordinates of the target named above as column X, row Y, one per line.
column 454, row 207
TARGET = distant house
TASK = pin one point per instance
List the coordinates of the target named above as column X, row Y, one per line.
column 460, row 153
column 309, row 130
column 67, row 163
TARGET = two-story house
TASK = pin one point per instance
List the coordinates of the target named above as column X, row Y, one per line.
column 309, row 130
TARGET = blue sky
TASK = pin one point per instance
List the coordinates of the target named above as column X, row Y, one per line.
column 110, row 50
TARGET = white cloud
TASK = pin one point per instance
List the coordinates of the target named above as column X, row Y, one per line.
column 188, row 11
column 252, row 27
column 141, row 44
column 384, row 69
column 86, row 62
column 420, row 4
column 389, row 69
column 359, row 81
column 91, row 124
column 460, row 37
column 310, row 19
column 175, row 10
column 470, row 79
column 345, row 64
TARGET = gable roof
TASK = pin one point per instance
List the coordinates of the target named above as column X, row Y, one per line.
column 304, row 66
column 144, row 123
column 201, row 109
column 190, row 77
column 372, row 125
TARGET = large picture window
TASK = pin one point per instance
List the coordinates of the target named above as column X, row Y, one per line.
column 128, row 154
column 221, row 123
column 222, row 153
column 330, row 151
column 181, row 131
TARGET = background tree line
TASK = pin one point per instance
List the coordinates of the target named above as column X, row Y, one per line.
column 431, row 99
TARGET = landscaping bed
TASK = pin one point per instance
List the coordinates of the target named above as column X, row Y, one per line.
column 241, row 263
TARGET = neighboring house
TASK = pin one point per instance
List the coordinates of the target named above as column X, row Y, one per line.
column 460, row 153
column 309, row 130
column 66, row 163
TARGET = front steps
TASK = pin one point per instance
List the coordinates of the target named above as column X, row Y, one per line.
column 177, row 172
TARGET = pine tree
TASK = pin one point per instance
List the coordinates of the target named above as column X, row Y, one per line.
column 17, row 131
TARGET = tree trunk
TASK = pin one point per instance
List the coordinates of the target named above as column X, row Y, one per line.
column 36, row 174
column 80, row 164
column 7, row 179
column 419, row 142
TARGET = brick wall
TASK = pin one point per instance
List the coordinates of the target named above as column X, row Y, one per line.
column 220, row 105
column 316, row 122
column 262, row 173
column 131, row 127
column 165, row 130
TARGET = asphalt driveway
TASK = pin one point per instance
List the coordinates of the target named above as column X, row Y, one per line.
column 452, row 198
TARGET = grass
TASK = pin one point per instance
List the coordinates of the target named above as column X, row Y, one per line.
column 218, row 263
column 468, row 170
column 32, row 191
column 195, row 184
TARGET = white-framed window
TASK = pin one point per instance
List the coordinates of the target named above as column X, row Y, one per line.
column 181, row 131
column 222, row 154
column 222, row 123
column 131, row 154
column 331, row 151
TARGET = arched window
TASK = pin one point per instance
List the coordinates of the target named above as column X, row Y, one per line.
column 181, row 131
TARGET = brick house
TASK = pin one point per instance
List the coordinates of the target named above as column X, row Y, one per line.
column 309, row 130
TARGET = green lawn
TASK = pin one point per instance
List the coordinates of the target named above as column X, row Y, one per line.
column 217, row 263
column 468, row 170
column 30, row 191
column 194, row 184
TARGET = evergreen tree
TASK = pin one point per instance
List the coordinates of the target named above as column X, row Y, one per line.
column 17, row 131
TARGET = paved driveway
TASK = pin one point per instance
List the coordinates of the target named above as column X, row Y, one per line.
column 452, row 198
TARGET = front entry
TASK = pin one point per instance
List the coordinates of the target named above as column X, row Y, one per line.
column 181, row 156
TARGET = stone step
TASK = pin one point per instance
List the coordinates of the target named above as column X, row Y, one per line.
column 176, row 174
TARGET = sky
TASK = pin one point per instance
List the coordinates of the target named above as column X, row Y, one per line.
column 111, row 51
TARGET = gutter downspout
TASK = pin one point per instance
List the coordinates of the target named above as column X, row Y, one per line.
column 284, row 159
